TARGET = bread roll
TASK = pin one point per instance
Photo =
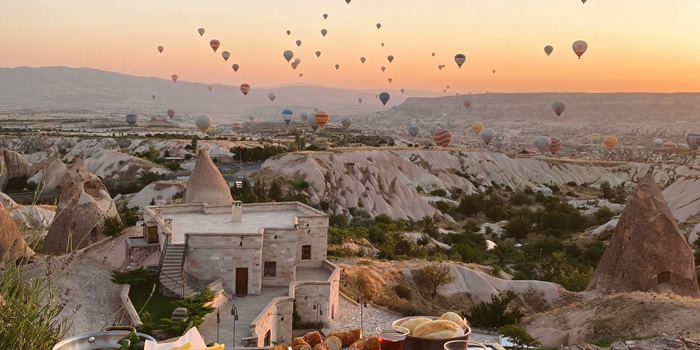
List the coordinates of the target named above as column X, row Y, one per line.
column 438, row 329
column 454, row 318
column 321, row 346
column 302, row 347
column 369, row 343
column 280, row 347
column 299, row 341
column 312, row 338
column 348, row 337
column 333, row 343
column 412, row 323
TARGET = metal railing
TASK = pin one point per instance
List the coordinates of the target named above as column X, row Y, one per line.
column 191, row 281
column 175, row 287
column 162, row 255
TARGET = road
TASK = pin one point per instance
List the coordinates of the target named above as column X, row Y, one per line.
column 32, row 195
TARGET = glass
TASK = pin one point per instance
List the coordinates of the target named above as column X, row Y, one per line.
column 457, row 345
column 392, row 338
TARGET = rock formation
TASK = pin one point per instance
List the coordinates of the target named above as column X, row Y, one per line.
column 12, row 164
column 206, row 184
column 647, row 251
column 12, row 245
column 82, row 207
column 50, row 174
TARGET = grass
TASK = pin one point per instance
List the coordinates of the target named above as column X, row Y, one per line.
column 159, row 306
column 230, row 172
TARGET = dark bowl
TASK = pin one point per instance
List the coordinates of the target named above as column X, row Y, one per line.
column 416, row 343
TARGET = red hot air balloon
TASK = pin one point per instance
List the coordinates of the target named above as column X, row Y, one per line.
column 174, row 78
column 322, row 117
column 442, row 137
column 235, row 67
column 580, row 48
column 160, row 49
column 245, row 89
column 555, row 146
column 171, row 113
column 467, row 104
column 214, row 44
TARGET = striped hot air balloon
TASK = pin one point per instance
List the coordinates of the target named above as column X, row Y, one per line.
column 131, row 119
column 287, row 116
column 413, row 130
column 245, row 89
column 694, row 140
column 555, row 146
column 322, row 117
column 442, row 137
column 668, row 146
column 610, row 142
column 595, row 137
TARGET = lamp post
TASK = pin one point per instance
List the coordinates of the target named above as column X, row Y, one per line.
column 218, row 321
column 234, row 313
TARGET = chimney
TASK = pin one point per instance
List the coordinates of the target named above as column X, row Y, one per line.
column 237, row 211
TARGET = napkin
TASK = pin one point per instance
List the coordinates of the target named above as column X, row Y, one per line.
column 191, row 336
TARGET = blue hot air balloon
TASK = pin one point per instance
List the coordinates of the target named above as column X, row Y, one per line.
column 384, row 97
column 413, row 130
column 287, row 115
column 131, row 119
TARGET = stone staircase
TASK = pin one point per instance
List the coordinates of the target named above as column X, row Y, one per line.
column 170, row 277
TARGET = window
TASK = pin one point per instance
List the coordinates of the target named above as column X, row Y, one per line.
column 306, row 252
column 270, row 269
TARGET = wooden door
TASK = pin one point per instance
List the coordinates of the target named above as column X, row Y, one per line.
column 241, row 281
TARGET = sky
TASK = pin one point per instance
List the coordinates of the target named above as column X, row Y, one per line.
column 633, row 45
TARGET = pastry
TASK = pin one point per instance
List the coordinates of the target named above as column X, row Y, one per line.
column 280, row 347
column 299, row 341
column 321, row 346
column 369, row 343
column 348, row 337
column 333, row 343
column 412, row 323
column 438, row 329
column 454, row 318
column 312, row 338
column 302, row 347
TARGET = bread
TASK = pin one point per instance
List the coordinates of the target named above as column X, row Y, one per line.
column 348, row 337
column 454, row 318
column 312, row 338
column 333, row 343
column 280, row 347
column 302, row 347
column 438, row 329
column 321, row 346
column 411, row 323
column 369, row 343
column 299, row 341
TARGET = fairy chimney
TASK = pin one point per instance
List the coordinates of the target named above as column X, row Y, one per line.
column 12, row 245
column 206, row 184
column 647, row 251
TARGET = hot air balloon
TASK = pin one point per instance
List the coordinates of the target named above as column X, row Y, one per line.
column 251, row 117
column 324, row 32
column 493, row 71
column 498, row 143
column 203, row 122
column 313, row 124
column 211, row 131
column 542, row 143
column 287, row 116
column 298, row 43
column 362, row 59
column 304, row 116
column 383, row 68
column 174, row 77
column 337, row 66
column 315, row 109
column 295, row 64
column 559, row 107
column 583, row 1
column 235, row 67
column 487, row 135
column 382, row 44
column 610, row 142
column 467, row 104
column 580, row 47
column 379, row 25
column 210, row 87
column 384, row 97
column 245, row 89
column 555, row 146
column 346, row 122
column 390, row 80
column 376, row 95
column 447, row 87
column 595, row 137
column 325, row 16
column 413, row 131
column 160, row 49
column 444, row 115
column 201, row 31
column 347, row 1
column 171, row 113
column 477, row 127
column 131, row 119
column 402, row 91
column 694, row 140
column 226, row 55
column 322, row 117
column 668, row 146
column 153, row 96
column 403, row 128
column 444, row 90
column 289, row 32
column 301, row 75
column 440, row 66
column 318, row 53
column 214, row 44
column 442, row 137
column 548, row 49
column 390, row 58
column 272, row 96
column 288, row 55
column 460, row 59
column 658, row 142
column 433, row 54
column 359, row 100
column 531, row 151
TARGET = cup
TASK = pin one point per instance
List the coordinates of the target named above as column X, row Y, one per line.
column 392, row 337
column 457, row 345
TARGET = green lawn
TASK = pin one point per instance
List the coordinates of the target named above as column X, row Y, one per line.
column 159, row 306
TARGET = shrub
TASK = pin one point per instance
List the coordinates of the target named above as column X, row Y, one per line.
column 439, row 192
column 382, row 218
column 338, row 220
column 494, row 314
column 113, row 226
column 403, row 292
column 604, row 215
column 497, row 213
column 433, row 276
column 520, row 198
column 518, row 335
column 135, row 277
column 518, row 227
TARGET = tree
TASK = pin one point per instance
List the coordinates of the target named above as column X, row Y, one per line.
column 471, row 204
column 518, row 227
column 494, row 314
column 604, row 215
column 518, row 335
column 435, row 275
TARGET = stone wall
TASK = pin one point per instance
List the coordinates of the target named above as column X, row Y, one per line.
column 270, row 320
column 313, row 230
column 325, row 293
column 283, row 251
column 137, row 254
column 129, row 307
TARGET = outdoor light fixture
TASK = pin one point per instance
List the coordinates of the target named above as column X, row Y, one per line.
column 309, row 231
column 281, row 318
column 241, row 242
column 275, row 236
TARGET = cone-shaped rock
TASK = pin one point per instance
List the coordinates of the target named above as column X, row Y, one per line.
column 647, row 251
column 82, row 207
column 206, row 184
column 12, row 245
column 12, row 164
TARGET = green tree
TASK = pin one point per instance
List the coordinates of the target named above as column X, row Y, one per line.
column 434, row 276
column 471, row 204
column 518, row 336
column 496, row 313
column 518, row 227
column 604, row 215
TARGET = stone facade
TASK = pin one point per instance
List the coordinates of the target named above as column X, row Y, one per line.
column 324, row 294
column 270, row 320
column 136, row 254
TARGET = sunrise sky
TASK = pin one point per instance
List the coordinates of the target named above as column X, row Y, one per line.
column 634, row 45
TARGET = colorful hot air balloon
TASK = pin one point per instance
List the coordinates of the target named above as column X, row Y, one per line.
column 160, row 49
column 226, row 55
column 287, row 116
column 272, row 96
column 131, row 119
column 298, row 43
column 548, row 49
column 595, row 137
column 610, row 142
column 362, row 59
column 580, row 48
column 245, row 89
column 555, row 146
column 210, row 87
column 201, row 31
column 324, row 32
column 402, row 91
column 477, row 127
column 214, row 44
column 467, row 104
column 390, row 58
column 325, row 16
column 251, row 117
column 288, row 55
column 235, row 67
column 384, row 97
column 318, row 53
column 668, row 146
column 304, row 116
column 322, row 117
column 379, row 25
column 459, row 59
column 174, row 77
column 171, row 113
column 542, row 143
column 442, row 137
column 559, row 107
column 694, row 140
column 359, row 100
column 346, row 122
column 658, row 142
column 203, row 122
column 313, row 124
column 487, row 135
column 337, row 66
column 413, row 131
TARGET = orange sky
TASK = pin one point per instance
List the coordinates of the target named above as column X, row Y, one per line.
column 634, row 45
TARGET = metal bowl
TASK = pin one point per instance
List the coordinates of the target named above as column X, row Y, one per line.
column 106, row 339
column 416, row 343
